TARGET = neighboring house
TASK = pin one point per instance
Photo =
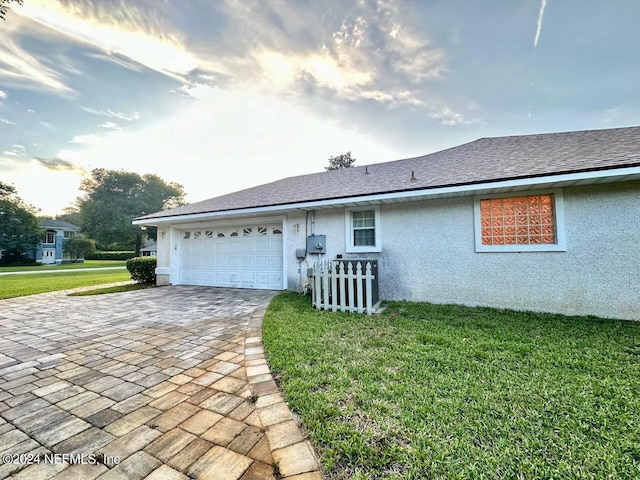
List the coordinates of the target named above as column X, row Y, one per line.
column 545, row 222
column 51, row 250
column 150, row 249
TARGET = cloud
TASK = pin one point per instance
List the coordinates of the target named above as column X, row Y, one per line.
column 110, row 126
column 111, row 114
column 373, row 51
column 20, row 69
column 3, row 95
column 120, row 29
column 543, row 4
column 448, row 117
column 16, row 151
column 612, row 114
column 84, row 139
column 115, row 58
column 244, row 137
column 59, row 164
column 6, row 121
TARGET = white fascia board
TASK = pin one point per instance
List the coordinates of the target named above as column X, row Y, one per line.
column 460, row 190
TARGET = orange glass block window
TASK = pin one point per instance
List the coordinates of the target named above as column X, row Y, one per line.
column 528, row 220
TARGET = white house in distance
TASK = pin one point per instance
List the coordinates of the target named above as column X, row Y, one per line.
column 546, row 222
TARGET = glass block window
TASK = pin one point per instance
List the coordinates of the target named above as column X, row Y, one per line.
column 208, row 234
column 187, row 235
column 528, row 220
column 196, row 235
column 364, row 228
column 277, row 231
column 220, row 235
column 262, row 231
column 247, row 232
column 234, row 233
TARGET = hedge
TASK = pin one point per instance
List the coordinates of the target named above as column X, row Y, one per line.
column 110, row 256
column 142, row 269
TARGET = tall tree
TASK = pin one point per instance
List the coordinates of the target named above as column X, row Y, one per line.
column 20, row 230
column 4, row 6
column 114, row 198
column 340, row 161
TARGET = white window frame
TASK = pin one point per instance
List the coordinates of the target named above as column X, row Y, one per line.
column 46, row 237
column 348, row 222
column 558, row 208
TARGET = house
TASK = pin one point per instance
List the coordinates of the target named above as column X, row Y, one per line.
column 51, row 250
column 150, row 249
column 547, row 222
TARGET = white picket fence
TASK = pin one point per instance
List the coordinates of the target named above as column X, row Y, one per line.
column 342, row 286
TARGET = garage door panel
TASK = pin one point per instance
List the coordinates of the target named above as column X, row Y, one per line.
column 222, row 262
column 248, row 263
column 276, row 245
column 263, row 262
column 246, row 257
column 276, row 262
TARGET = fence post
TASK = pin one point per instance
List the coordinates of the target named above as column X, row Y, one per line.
column 350, row 285
column 359, row 301
column 334, row 285
column 316, row 285
column 325, row 285
column 368, row 288
column 341, row 281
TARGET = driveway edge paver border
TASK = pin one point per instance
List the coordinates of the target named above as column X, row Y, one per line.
column 292, row 453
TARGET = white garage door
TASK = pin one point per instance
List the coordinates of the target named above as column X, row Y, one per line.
column 243, row 257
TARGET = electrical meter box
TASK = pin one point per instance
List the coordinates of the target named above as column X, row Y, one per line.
column 317, row 244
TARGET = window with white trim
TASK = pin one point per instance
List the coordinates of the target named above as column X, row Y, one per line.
column 363, row 229
column 520, row 222
column 50, row 237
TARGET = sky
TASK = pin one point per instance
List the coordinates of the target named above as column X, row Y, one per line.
column 222, row 95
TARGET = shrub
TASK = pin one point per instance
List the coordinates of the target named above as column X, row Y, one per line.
column 79, row 246
column 142, row 269
column 111, row 255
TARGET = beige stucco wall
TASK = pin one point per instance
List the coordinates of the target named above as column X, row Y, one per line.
column 428, row 254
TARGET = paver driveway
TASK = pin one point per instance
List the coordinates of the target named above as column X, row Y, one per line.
column 165, row 383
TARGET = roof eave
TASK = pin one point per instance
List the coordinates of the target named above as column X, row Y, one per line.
column 567, row 179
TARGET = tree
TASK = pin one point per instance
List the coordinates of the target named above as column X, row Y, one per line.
column 20, row 230
column 4, row 6
column 114, row 198
column 340, row 161
column 79, row 246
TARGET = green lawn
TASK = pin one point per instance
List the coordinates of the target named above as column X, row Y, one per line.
column 65, row 266
column 21, row 285
column 426, row 391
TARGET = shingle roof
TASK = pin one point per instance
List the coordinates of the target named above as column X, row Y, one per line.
column 480, row 161
column 58, row 224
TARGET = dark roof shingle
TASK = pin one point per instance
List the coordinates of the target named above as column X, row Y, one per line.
column 480, row 161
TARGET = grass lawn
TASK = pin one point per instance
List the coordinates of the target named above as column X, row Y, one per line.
column 21, row 285
column 65, row 266
column 427, row 391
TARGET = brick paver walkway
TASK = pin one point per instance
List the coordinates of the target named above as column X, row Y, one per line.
column 166, row 383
